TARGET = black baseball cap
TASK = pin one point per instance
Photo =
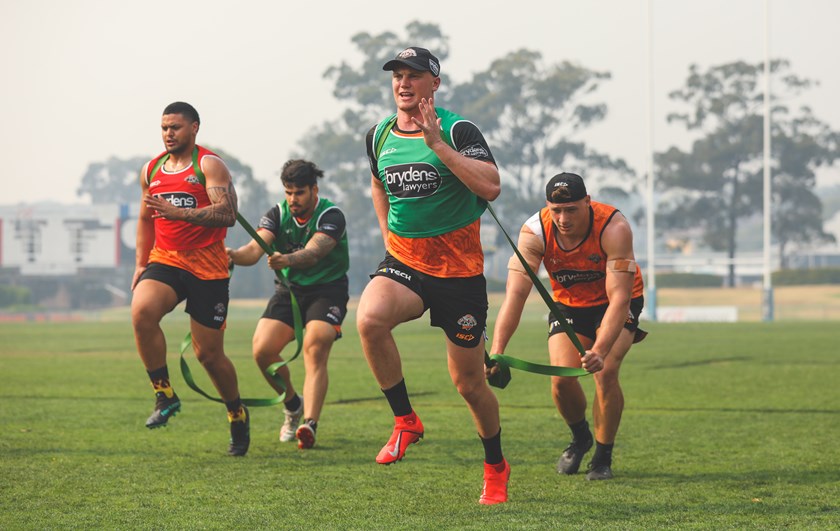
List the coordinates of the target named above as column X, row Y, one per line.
column 416, row 58
column 565, row 188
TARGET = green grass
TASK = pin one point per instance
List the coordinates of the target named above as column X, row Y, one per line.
column 726, row 426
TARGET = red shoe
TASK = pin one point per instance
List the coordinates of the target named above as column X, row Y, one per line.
column 495, row 484
column 407, row 430
column 305, row 436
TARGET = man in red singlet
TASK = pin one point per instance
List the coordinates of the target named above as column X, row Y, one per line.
column 184, row 215
column 587, row 250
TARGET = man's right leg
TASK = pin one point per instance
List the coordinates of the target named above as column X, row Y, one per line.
column 152, row 300
column 384, row 304
column 270, row 338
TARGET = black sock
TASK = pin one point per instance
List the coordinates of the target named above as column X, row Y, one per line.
column 234, row 405
column 603, row 454
column 160, row 382
column 159, row 374
column 312, row 424
column 580, row 431
column 493, row 448
column 398, row 399
column 293, row 404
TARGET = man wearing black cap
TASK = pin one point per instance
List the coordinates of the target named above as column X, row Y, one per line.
column 432, row 175
column 587, row 250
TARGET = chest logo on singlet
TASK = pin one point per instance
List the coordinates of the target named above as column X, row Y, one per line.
column 569, row 277
column 180, row 199
column 406, row 181
column 192, row 179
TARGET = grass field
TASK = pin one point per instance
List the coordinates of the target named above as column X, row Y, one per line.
column 726, row 426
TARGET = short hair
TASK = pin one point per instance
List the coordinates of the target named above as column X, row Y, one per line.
column 300, row 173
column 184, row 109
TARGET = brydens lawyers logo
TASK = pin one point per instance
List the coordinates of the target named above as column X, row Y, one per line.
column 180, row 199
column 418, row 179
column 467, row 322
column 475, row 152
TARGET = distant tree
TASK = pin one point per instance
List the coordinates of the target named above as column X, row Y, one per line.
column 531, row 114
column 719, row 181
column 115, row 181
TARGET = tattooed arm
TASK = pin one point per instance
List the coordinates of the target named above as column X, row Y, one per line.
column 317, row 248
column 221, row 212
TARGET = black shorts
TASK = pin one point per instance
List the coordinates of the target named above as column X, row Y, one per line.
column 457, row 305
column 585, row 321
column 323, row 302
column 207, row 300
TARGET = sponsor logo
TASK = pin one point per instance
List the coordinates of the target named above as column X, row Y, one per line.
column 388, row 152
column 334, row 314
column 396, row 445
column 180, row 199
column 594, row 258
column 266, row 223
column 154, row 183
column 555, row 323
column 405, row 181
column 465, row 337
column 219, row 318
column 568, row 278
column 467, row 322
column 192, row 179
column 219, row 308
column 395, row 272
column 475, row 152
column 328, row 226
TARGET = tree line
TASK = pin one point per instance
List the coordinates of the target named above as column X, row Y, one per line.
column 533, row 114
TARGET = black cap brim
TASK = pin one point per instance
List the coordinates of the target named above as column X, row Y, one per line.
column 395, row 64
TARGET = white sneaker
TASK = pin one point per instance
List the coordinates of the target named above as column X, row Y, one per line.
column 290, row 426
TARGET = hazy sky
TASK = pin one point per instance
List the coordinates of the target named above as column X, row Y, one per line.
column 86, row 80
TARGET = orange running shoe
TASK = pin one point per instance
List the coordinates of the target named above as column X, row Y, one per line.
column 407, row 430
column 495, row 484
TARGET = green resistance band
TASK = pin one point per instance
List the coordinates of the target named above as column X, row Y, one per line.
column 271, row 371
column 504, row 362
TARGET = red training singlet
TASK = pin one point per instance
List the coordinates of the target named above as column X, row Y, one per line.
column 184, row 190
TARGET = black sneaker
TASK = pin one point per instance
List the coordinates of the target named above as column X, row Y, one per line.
column 240, row 435
column 569, row 462
column 164, row 408
column 597, row 472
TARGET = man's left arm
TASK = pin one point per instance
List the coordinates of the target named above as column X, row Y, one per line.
column 617, row 241
column 221, row 212
column 331, row 228
column 479, row 173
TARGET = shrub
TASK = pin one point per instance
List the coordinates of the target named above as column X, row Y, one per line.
column 800, row 277
column 14, row 295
